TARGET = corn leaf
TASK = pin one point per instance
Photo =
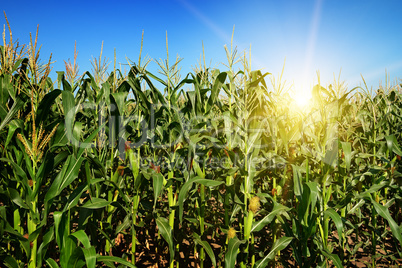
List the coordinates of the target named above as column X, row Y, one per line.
column 167, row 233
column 231, row 253
column 279, row 245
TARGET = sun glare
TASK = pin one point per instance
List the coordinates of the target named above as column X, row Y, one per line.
column 302, row 100
column 302, row 95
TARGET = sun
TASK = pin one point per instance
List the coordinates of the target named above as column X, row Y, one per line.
column 301, row 94
column 302, row 100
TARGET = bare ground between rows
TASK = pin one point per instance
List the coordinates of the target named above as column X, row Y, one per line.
column 152, row 250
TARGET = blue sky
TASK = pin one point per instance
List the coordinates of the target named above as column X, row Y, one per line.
column 357, row 37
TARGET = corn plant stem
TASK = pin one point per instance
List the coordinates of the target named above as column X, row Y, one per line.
column 32, row 228
column 136, row 201
column 17, row 222
column 109, row 211
column 343, row 210
column 307, row 169
column 323, row 232
column 112, row 196
column 133, row 239
column 374, row 214
column 88, row 177
column 343, row 215
column 229, row 181
column 246, row 232
column 275, row 197
column 171, row 199
column 385, row 198
column 252, row 251
column 172, row 203
column 202, row 218
column 276, row 224
column 243, row 263
column 32, row 225
column 373, row 233
column 325, row 193
column 247, row 229
column 227, row 206
column 326, row 220
column 135, row 163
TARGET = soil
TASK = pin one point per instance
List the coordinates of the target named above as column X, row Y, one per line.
column 153, row 251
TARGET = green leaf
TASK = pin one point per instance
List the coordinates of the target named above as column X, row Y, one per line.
column 167, row 233
column 334, row 258
column 158, row 183
column 68, row 174
column 313, row 187
column 82, row 237
column 279, row 245
column 124, row 225
column 337, row 220
column 87, row 143
column 331, row 155
column 347, row 150
column 74, row 197
column 52, row 263
column 231, row 253
column 66, row 85
column 187, row 186
column 297, row 181
column 207, row 248
column 119, row 99
column 5, row 88
column 21, row 175
column 90, row 256
column 96, row 203
column 10, row 262
column 75, row 259
column 114, row 259
column 278, row 209
column 60, row 77
column 218, row 83
column 373, row 189
column 69, row 114
column 12, row 127
column 16, row 198
column 47, row 238
column 384, row 212
column 392, row 144
column 18, row 104
column 45, row 105
column 65, row 242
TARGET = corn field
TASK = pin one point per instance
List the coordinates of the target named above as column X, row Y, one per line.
column 218, row 168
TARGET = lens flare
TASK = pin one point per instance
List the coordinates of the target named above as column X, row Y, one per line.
column 302, row 100
column 302, row 94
